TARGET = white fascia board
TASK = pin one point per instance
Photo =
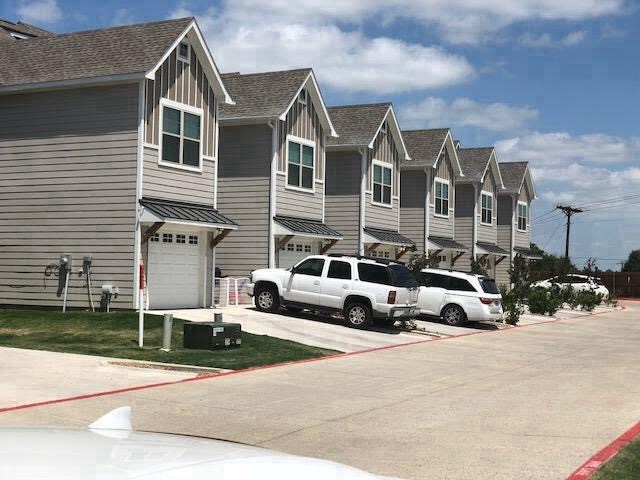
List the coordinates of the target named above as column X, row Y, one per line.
column 193, row 33
column 493, row 161
column 449, row 140
column 150, row 217
column 529, row 179
column 397, row 133
column 316, row 97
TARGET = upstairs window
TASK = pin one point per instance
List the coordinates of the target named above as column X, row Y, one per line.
column 302, row 97
column 184, row 51
column 487, row 208
column 181, row 135
column 442, row 198
column 382, row 175
column 300, row 165
column 522, row 216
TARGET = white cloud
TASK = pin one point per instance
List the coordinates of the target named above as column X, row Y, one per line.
column 346, row 60
column 463, row 112
column 574, row 38
column 122, row 17
column 546, row 40
column 40, row 12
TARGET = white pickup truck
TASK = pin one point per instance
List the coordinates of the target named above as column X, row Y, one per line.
column 361, row 288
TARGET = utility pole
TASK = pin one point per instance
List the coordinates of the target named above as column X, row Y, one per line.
column 569, row 212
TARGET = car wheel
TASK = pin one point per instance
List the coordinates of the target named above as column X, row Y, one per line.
column 454, row 315
column 267, row 299
column 357, row 315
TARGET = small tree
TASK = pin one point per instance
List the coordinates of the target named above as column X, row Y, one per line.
column 419, row 261
column 633, row 262
column 480, row 266
column 591, row 267
column 519, row 275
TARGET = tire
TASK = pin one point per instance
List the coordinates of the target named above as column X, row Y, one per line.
column 357, row 315
column 267, row 299
column 454, row 315
column 294, row 309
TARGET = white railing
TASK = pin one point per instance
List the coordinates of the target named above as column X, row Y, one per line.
column 230, row 291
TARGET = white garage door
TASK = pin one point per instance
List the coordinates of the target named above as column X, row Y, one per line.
column 174, row 270
column 296, row 250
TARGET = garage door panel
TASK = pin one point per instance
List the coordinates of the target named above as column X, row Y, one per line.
column 296, row 250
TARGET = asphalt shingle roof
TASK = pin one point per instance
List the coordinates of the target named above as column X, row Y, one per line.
column 306, row 226
column 424, row 145
column 94, row 53
column 512, row 174
column 473, row 161
column 265, row 94
column 191, row 212
column 23, row 28
column 357, row 124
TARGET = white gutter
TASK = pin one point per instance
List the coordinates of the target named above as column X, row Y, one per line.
column 363, row 188
column 273, row 123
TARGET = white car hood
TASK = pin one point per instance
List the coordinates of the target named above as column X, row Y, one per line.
column 47, row 454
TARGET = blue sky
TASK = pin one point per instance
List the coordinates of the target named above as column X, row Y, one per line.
column 552, row 82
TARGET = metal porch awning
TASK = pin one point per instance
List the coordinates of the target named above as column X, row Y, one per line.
column 303, row 227
column 386, row 237
column 491, row 249
column 440, row 243
column 527, row 253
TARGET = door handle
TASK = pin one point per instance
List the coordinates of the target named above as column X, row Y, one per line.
column 316, row 282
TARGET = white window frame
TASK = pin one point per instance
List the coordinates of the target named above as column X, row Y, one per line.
column 308, row 143
column 180, row 57
column 164, row 102
column 488, row 194
column 526, row 216
column 390, row 167
column 435, row 197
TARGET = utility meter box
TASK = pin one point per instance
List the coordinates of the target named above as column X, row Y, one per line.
column 211, row 335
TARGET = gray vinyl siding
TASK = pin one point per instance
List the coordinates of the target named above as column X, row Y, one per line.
column 342, row 198
column 243, row 194
column 523, row 239
column 175, row 184
column 440, row 226
column 296, row 203
column 68, row 185
column 505, row 210
column 488, row 233
column 187, row 84
column 464, row 210
column 412, row 201
column 381, row 217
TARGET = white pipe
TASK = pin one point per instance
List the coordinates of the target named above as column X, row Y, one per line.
column 141, row 317
column 66, row 289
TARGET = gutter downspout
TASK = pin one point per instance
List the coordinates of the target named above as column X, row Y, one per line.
column 427, row 216
column 137, row 235
column 363, row 187
column 272, row 190
column 474, row 237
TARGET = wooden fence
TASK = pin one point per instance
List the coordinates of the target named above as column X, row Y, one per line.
column 625, row 284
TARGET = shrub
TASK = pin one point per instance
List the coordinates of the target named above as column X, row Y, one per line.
column 543, row 301
column 511, row 305
column 519, row 275
column 588, row 300
column 480, row 266
column 418, row 262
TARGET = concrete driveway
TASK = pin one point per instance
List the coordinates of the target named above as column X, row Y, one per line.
column 306, row 328
column 521, row 403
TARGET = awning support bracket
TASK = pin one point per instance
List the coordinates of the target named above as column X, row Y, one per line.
column 218, row 238
column 151, row 231
column 372, row 247
column 328, row 246
column 498, row 260
column 454, row 259
column 284, row 240
column 404, row 250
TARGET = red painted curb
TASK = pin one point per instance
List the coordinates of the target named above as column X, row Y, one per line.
column 628, row 299
column 591, row 466
column 267, row 367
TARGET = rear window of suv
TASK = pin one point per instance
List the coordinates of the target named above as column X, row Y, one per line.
column 489, row 286
column 370, row 272
column 401, row 276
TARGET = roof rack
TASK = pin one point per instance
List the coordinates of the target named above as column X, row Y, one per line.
column 384, row 261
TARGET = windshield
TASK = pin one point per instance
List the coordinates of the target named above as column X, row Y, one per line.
column 401, row 276
column 489, row 285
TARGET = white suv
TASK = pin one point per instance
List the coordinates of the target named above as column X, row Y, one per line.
column 458, row 297
column 361, row 288
column 579, row 283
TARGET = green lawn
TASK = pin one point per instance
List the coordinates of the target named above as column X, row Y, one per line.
column 624, row 466
column 116, row 335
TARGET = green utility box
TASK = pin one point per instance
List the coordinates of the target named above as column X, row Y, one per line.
column 211, row 335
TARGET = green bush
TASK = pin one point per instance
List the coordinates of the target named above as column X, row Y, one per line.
column 542, row 301
column 588, row 300
column 511, row 305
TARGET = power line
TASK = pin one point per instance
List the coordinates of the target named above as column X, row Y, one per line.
column 551, row 236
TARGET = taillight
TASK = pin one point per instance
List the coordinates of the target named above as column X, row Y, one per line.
column 486, row 301
column 392, row 297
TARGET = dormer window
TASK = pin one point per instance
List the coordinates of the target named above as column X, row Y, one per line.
column 184, row 51
column 302, row 97
column 383, row 128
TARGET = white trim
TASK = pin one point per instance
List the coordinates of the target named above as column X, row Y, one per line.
column 526, row 218
column 488, row 194
column 397, row 133
column 308, row 143
column 150, row 217
column 137, row 234
column 182, row 108
column 209, row 158
column 281, row 173
column 449, row 138
column 390, row 167
column 150, row 145
column 449, row 208
column 179, row 58
column 427, row 198
column 271, row 256
column 495, row 167
column 363, row 187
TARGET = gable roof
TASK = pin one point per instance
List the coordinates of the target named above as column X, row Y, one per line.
column 358, row 125
column 425, row 147
column 120, row 53
column 476, row 161
column 270, row 94
column 21, row 28
column 514, row 174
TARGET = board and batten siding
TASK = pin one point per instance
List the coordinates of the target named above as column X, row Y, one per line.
column 243, row 194
column 302, row 121
column 384, row 150
column 488, row 233
column 412, row 202
column 342, row 199
column 464, row 209
column 441, row 226
column 523, row 239
column 68, row 186
column 504, row 226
